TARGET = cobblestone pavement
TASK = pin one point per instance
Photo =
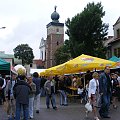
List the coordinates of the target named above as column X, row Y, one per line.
column 74, row 111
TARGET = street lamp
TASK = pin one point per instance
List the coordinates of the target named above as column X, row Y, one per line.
column 2, row 27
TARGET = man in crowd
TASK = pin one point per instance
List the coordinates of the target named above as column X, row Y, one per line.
column 21, row 93
column 50, row 92
column 105, row 87
column 2, row 86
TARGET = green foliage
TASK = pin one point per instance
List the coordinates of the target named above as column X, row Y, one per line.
column 87, row 31
column 25, row 53
column 62, row 54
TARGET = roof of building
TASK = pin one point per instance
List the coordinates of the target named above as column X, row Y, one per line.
column 118, row 21
column 106, row 42
column 3, row 55
column 55, row 16
column 114, row 41
column 42, row 43
column 38, row 62
column 55, row 24
column 10, row 56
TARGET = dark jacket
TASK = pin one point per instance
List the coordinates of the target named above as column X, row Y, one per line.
column 62, row 85
column 105, row 85
column 37, row 82
column 1, row 82
column 21, row 90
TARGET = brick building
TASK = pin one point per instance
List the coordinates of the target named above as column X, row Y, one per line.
column 55, row 38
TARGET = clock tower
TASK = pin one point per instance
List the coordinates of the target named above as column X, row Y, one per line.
column 55, row 38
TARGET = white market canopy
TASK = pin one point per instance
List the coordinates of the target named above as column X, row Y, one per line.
column 36, row 70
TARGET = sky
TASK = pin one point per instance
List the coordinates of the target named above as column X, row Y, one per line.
column 26, row 20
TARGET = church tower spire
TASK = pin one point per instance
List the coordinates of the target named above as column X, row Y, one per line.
column 55, row 38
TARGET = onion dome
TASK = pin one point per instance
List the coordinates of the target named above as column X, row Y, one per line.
column 55, row 16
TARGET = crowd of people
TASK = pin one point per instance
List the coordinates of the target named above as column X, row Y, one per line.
column 22, row 93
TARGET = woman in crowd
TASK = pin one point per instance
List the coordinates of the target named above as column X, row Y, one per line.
column 37, row 82
column 93, row 93
column 31, row 96
column 115, row 90
column 10, row 96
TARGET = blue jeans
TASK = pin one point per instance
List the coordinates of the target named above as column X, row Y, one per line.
column 63, row 97
column 19, row 108
column 52, row 98
column 104, row 109
column 42, row 94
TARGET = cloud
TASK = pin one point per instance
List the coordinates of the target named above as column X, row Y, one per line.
column 29, row 32
column 26, row 20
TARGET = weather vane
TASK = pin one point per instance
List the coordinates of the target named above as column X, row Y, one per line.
column 55, row 7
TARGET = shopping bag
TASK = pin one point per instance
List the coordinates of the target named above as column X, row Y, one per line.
column 88, row 106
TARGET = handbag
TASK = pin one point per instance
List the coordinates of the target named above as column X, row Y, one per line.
column 88, row 106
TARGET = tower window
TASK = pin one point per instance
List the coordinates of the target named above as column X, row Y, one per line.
column 57, row 43
column 57, row 30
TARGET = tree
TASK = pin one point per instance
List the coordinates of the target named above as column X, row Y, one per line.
column 87, row 31
column 25, row 53
column 62, row 54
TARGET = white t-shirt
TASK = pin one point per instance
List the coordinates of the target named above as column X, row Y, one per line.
column 80, row 91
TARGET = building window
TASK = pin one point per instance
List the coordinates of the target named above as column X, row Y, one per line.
column 42, row 55
column 118, row 33
column 31, row 65
column 117, row 52
column 57, row 43
column 57, row 30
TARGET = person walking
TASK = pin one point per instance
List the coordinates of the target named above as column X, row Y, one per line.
column 10, row 98
column 105, row 89
column 93, row 93
column 37, row 82
column 62, row 90
column 50, row 92
column 21, row 93
column 31, row 96
column 2, row 88
column 115, row 90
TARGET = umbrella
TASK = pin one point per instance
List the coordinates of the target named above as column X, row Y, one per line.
column 114, row 59
column 83, row 63
column 20, row 69
column 56, row 70
column 19, row 66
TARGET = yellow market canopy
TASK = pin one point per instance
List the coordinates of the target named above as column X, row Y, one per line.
column 86, row 62
column 81, row 63
column 56, row 70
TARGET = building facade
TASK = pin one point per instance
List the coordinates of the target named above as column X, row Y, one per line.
column 55, row 39
column 113, row 43
column 42, row 49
